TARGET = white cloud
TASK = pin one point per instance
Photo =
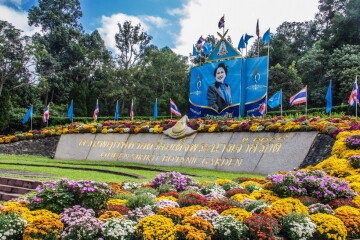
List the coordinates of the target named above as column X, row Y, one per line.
column 157, row 21
column 201, row 18
column 18, row 19
column 109, row 26
column 176, row 11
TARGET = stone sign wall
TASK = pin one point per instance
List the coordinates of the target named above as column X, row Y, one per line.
column 259, row 153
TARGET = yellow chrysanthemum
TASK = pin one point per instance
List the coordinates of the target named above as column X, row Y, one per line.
column 110, row 214
column 116, row 202
column 240, row 197
column 238, row 213
column 156, row 227
column 262, row 193
column 329, row 226
column 222, row 181
column 243, row 184
column 166, row 197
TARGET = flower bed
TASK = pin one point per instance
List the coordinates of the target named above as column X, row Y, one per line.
column 318, row 202
column 280, row 124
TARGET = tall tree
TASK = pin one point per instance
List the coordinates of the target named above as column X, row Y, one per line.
column 164, row 75
column 14, row 56
column 291, row 40
column 343, row 67
column 131, row 41
column 51, row 14
column 312, row 68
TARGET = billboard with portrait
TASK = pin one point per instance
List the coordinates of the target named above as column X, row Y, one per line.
column 215, row 89
column 230, row 88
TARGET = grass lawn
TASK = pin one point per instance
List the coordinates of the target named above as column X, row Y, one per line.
column 49, row 166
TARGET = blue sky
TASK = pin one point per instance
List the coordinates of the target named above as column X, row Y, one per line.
column 174, row 23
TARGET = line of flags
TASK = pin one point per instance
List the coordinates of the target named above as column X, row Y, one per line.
column 272, row 102
column 46, row 115
column 301, row 97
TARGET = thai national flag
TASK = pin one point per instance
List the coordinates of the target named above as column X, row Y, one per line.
column 200, row 42
column 174, row 109
column 262, row 109
column 46, row 114
column 221, row 23
column 354, row 96
column 300, row 97
column 96, row 111
column 132, row 110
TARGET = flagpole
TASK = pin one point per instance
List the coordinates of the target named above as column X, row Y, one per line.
column 47, row 120
column 258, row 34
column 331, row 98
column 170, row 110
column 306, row 100
column 267, row 84
column 281, row 102
column 116, row 107
column 156, row 108
column 72, row 111
column 31, row 118
column 357, row 101
column 97, row 104
column 224, row 25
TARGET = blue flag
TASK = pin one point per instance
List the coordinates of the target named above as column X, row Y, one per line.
column 155, row 109
column 267, row 36
column 207, row 48
column 241, row 43
column 328, row 98
column 275, row 100
column 247, row 37
column 28, row 115
column 117, row 113
column 71, row 111
column 195, row 53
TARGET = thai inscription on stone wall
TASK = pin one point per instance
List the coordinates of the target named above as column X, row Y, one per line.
column 115, row 150
column 236, row 152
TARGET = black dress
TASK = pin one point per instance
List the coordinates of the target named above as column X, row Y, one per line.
column 216, row 97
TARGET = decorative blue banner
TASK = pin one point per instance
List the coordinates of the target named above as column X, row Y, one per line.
column 256, row 74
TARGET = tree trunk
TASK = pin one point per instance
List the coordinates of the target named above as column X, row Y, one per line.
column 46, row 98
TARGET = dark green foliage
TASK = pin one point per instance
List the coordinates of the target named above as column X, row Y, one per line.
column 5, row 108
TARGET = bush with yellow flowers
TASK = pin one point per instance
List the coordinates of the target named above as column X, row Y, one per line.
column 240, row 197
column 328, row 227
column 156, row 227
column 43, row 228
column 110, row 214
column 30, row 216
column 284, row 206
column 238, row 213
column 174, row 213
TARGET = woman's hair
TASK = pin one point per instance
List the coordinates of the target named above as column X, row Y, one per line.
column 221, row 65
